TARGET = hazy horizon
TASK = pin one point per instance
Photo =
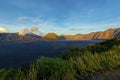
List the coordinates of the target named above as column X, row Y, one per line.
column 59, row 16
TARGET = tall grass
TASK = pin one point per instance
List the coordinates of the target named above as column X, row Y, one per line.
column 42, row 69
column 88, row 63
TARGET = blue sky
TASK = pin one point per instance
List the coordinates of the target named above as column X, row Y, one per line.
column 60, row 16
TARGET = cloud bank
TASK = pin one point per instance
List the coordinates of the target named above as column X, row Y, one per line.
column 2, row 30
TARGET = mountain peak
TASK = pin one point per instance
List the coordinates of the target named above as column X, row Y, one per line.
column 51, row 36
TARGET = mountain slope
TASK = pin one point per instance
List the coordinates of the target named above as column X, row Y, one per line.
column 51, row 36
column 108, row 34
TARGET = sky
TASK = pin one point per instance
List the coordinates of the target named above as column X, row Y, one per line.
column 60, row 16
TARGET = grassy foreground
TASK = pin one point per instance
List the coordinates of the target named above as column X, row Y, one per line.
column 75, row 64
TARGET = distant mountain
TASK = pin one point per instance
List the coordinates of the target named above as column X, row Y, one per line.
column 33, row 35
column 17, row 37
column 51, row 36
column 108, row 34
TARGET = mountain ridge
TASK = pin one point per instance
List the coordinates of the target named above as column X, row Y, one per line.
column 107, row 34
column 100, row 35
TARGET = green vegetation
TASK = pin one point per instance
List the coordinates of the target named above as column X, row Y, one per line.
column 97, row 48
column 43, row 69
column 88, row 63
column 75, row 64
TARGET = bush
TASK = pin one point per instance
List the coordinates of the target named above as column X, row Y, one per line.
column 42, row 69
column 51, row 69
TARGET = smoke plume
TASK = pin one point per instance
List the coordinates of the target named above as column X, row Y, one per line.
column 34, row 30
column 24, row 31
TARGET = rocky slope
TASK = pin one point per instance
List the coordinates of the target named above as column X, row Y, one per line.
column 108, row 34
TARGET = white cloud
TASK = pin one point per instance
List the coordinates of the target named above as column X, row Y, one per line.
column 2, row 30
column 34, row 20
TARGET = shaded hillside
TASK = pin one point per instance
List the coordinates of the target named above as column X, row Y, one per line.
column 99, row 58
column 108, row 34
column 97, row 48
